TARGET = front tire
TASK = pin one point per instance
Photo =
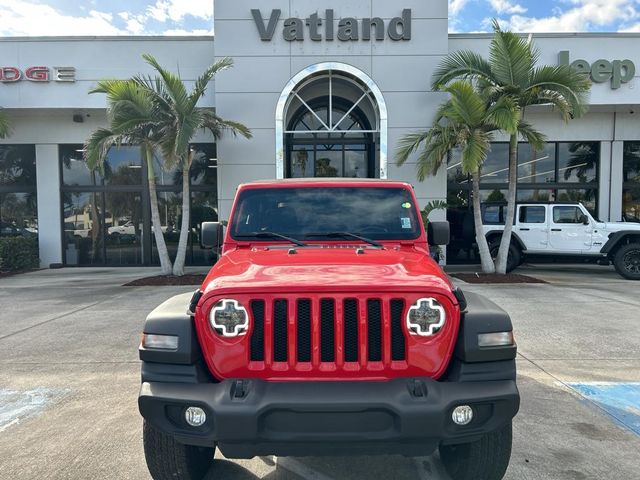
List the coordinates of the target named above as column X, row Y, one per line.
column 514, row 257
column 485, row 459
column 627, row 261
column 169, row 460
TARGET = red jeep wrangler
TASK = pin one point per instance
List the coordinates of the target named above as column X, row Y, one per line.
column 326, row 328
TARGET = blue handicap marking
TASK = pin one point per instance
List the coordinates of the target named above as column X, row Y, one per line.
column 620, row 400
column 16, row 406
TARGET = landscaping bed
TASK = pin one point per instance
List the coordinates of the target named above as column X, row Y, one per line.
column 168, row 281
column 495, row 278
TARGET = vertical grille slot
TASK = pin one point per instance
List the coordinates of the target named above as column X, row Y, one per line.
column 280, row 331
column 398, row 345
column 350, row 330
column 257, row 337
column 374, row 330
column 304, row 330
column 327, row 330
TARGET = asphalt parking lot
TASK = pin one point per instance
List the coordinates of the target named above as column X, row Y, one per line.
column 69, row 378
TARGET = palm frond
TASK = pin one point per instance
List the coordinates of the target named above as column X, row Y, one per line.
column 409, row 144
column 511, row 57
column 561, row 81
column 531, row 135
column 203, row 80
column 5, row 124
column 464, row 64
column 97, row 147
column 173, row 83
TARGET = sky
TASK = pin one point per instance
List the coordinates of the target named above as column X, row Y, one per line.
column 195, row 17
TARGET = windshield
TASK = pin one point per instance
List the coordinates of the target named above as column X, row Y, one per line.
column 313, row 213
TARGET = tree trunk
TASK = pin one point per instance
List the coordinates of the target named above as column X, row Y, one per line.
column 503, row 253
column 481, row 240
column 185, row 228
column 163, row 253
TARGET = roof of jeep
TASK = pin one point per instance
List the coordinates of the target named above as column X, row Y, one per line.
column 333, row 180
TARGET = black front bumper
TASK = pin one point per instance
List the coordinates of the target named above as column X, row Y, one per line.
column 247, row 418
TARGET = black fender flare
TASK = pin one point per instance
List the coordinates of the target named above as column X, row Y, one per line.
column 616, row 238
column 514, row 238
column 173, row 317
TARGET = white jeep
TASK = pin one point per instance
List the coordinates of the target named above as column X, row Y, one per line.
column 564, row 230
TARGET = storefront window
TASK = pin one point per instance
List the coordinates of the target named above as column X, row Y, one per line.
column 536, row 166
column 578, row 162
column 18, row 215
column 107, row 221
column 496, row 166
column 124, row 228
column 83, row 228
column 536, row 195
column 17, row 166
column 587, row 197
column 123, row 166
column 18, row 200
column 74, row 169
column 560, row 172
column 631, row 182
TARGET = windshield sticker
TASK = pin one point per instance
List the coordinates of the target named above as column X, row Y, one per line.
column 406, row 223
column 406, row 205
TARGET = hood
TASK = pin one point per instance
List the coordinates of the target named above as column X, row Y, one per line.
column 326, row 269
column 619, row 226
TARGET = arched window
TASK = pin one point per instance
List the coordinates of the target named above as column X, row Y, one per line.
column 331, row 122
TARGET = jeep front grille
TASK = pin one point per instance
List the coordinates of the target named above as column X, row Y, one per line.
column 327, row 332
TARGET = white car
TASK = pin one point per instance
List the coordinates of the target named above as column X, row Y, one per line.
column 567, row 230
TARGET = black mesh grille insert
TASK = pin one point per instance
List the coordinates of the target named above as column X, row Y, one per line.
column 351, row 330
column 257, row 337
column 327, row 330
column 398, row 346
column 280, row 331
column 304, row 330
column 374, row 330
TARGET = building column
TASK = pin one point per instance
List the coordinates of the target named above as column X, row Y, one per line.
column 617, row 177
column 49, row 216
column 604, row 190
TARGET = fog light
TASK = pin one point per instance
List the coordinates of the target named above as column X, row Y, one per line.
column 195, row 416
column 462, row 415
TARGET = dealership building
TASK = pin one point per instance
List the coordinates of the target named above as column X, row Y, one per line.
column 327, row 88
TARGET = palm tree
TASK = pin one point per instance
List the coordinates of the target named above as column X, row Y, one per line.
column 467, row 121
column 511, row 70
column 5, row 125
column 131, row 115
column 177, row 119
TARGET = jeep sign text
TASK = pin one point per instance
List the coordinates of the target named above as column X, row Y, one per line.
column 601, row 71
column 349, row 28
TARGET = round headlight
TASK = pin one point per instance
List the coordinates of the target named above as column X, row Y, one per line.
column 229, row 318
column 425, row 318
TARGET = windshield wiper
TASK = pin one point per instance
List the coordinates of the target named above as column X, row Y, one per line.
column 346, row 235
column 273, row 235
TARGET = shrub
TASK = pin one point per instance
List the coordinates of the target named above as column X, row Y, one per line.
column 18, row 253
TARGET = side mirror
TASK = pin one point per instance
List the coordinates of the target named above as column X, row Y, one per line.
column 211, row 235
column 585, row 220
column 438, row 233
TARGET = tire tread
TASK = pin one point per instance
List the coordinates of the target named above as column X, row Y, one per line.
column 485, row 459
column 169, row 460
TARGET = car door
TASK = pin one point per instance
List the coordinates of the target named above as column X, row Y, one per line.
column 532, row 227
column 568, row 233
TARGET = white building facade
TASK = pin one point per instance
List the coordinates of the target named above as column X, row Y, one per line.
column 327, row 88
